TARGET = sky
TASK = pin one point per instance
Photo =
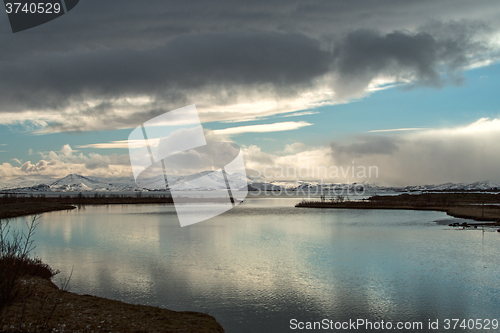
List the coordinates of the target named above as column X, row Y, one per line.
column 408, row 88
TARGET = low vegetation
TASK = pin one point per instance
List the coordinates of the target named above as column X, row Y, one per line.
column 16, row 267
column 15, row 205
column 476, row 206
column 31, row 302
column 83, row 199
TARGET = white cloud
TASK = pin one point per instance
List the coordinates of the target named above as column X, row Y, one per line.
column 398, row 130
column 122, row 144
column 276, row 127
column 462, row 154
column 430, row 156
column 67, row 151
column 296, row 162
column 295, row 147
column 61, row 163
column 298, row 114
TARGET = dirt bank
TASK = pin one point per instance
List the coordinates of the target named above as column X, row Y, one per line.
column 84, row 313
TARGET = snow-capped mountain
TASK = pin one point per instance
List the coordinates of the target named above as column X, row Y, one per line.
column 313, row 186
column 209, row 181
column 70, row 183
column 476, row 186
column 79, row 183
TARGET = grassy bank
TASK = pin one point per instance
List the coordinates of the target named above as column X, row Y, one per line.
column 12, row 205
column 30, row 302
column 69, row 312
column 24, row 209
column 475, row 206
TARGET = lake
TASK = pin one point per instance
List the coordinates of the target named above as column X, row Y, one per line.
column 264, row 263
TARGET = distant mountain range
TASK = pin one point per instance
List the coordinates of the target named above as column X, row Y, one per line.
column 317, row 186
column 79, row 183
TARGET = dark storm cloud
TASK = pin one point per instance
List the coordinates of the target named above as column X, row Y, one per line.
column 185, row 63
column 196, row 61
column 139, row 24
column 173, row 50
column 364, row 54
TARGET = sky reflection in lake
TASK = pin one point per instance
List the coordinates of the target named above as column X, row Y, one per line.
column 265, row 262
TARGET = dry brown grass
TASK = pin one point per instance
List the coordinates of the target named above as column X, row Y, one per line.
column 84, row 313
column 478, row 213
column 30, row 302
column 23, row 209
column 475, row 206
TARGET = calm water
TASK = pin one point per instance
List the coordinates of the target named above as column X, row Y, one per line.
column 264, row 263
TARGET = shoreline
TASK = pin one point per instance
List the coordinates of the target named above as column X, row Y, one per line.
column 64, row 311
column 12, row 206
column 8, row 211
column 483, row 208
column 85, row 313
column 18, row 206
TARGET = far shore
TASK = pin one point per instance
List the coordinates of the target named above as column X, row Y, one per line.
column 482, row 207
column 12, row 206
